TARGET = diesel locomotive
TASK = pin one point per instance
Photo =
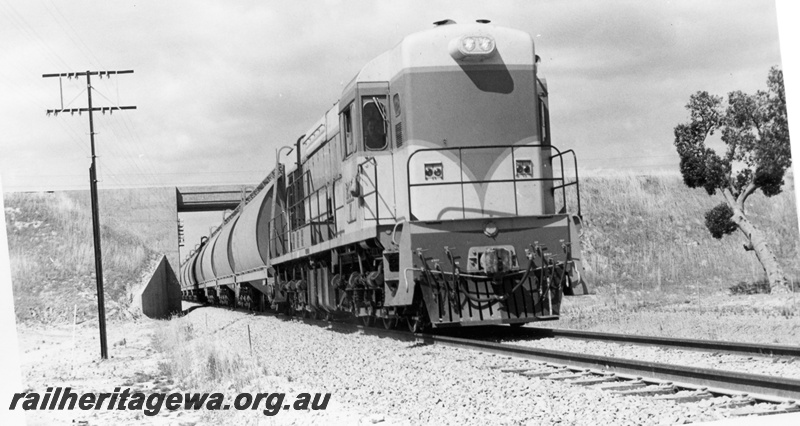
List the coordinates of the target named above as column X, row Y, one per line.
column 430, row 195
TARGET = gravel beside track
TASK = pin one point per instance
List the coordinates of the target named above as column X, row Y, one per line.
column 788, row 367
column 387, row 381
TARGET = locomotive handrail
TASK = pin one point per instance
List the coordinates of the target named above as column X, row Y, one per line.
column 280, row 236
column 559, row 154
column 563, row 186
column 328, row 218
column 360, row 168
column 400, row 220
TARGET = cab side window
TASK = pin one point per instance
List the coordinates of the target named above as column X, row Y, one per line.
column 374, row 122
column 347, row 132
column 544, row 122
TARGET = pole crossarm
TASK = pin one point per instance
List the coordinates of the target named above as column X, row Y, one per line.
column 80, row 110
column 80, row 74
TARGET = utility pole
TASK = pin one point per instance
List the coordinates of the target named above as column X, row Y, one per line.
column 98, row 259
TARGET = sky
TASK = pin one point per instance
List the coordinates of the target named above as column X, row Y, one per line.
column 219, row 85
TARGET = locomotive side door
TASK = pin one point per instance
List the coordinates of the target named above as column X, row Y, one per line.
column 374, row 170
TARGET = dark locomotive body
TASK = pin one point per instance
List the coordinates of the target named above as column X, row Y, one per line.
column 430, row 194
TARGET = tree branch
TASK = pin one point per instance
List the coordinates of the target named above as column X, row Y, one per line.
column 758, row 128
column 728, row 195
column 749, row 190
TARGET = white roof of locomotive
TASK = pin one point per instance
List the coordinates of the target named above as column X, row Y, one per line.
column 425, row 49
column 430, row 48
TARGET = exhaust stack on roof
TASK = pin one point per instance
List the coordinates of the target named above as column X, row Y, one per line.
column 443, row 22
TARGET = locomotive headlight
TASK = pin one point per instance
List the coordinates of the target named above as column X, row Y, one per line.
column 434, row 171
column 524, row 168
column 468, row 44
column 485, row 44
column 473, row 47
column 490, row 229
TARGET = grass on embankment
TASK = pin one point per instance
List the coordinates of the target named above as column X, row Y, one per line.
column 648, row 233
column 52, row 251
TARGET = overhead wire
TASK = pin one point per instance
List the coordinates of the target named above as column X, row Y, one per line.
column 21, row 23
column 33, row 35
column 126, row 157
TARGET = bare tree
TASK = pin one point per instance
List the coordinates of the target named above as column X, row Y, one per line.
column 755, row 130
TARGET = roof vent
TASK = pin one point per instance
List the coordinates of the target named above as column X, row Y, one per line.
column 444, row 22
column 483, row 21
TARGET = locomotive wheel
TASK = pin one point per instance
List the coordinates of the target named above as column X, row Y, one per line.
column 389, row 323
column 418, row 321
column 367, row 320
column 354, row 281
column 416, row 324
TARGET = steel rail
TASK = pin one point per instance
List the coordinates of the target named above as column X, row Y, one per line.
column 679, row 343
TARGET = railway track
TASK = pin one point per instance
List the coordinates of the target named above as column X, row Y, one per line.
column 759, row 387
column 619, row 375
column 624, row 374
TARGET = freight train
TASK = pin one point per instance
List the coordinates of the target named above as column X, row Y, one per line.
column 430, row 195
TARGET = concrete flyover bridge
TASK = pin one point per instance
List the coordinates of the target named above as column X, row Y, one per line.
column 210, row 198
